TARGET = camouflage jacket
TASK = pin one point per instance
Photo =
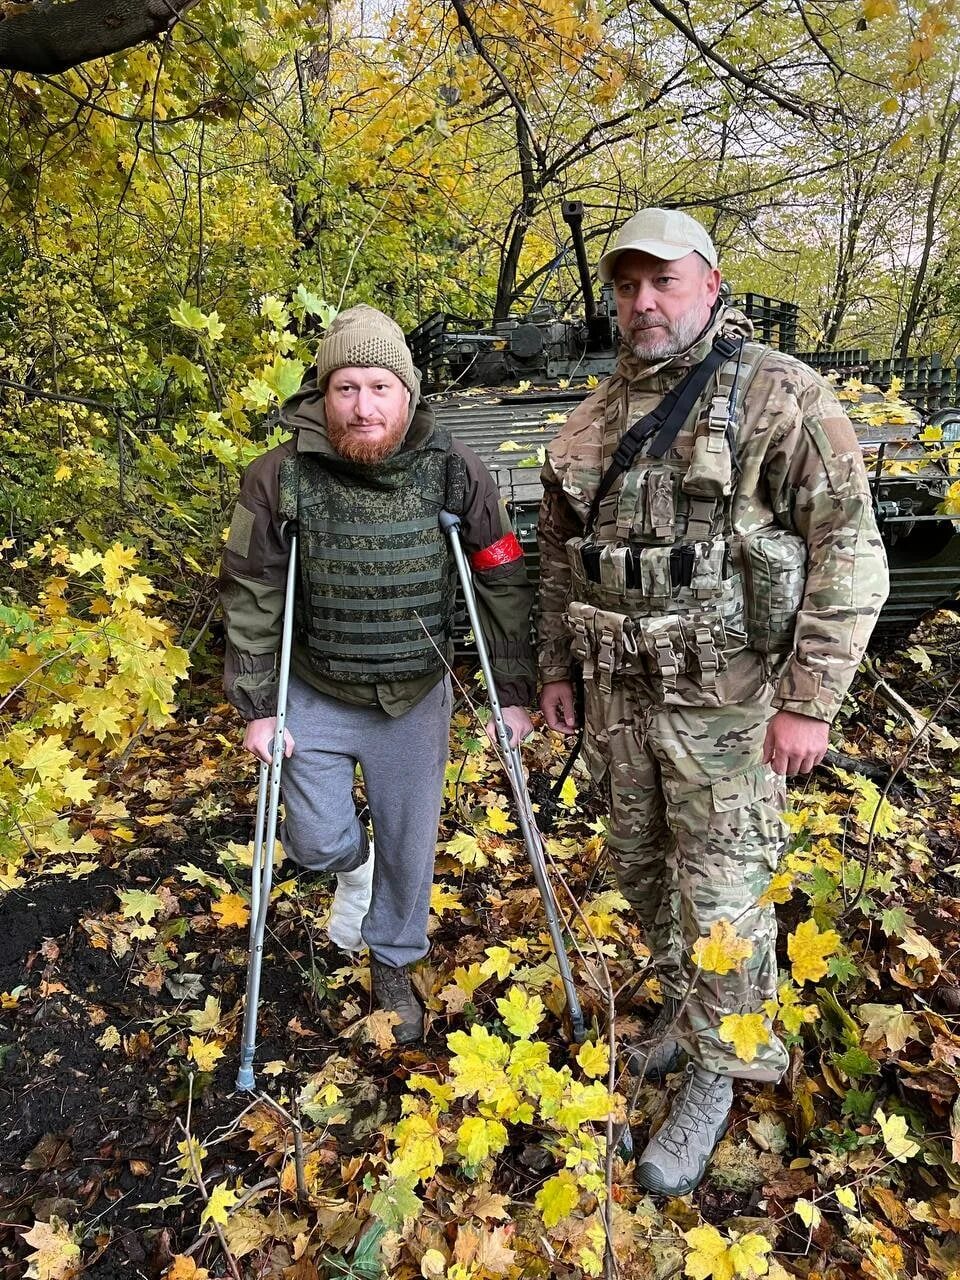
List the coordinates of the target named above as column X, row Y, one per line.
column 800, row 470
column 254, row 567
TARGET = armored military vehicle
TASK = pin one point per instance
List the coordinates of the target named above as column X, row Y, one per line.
column 504, row 388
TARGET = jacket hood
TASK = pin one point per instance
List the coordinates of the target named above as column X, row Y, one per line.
column 725, row 318
column 304, row 413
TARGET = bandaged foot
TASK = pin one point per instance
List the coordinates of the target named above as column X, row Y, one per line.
column 351, row 902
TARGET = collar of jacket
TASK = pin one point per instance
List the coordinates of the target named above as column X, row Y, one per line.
column 727, row 320
column 304, row 413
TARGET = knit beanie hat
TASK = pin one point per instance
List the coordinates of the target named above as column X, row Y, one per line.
column 363, row 337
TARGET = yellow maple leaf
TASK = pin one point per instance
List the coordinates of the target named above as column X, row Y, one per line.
column 418, row 1151
column 205, row 1053
column 207, row 1018
column 221, row 1199
column 558, row 1197
column 184, row 1268
column 48, row 758
column 500, row 961
column 444, row 899
column 780, row 889
column 498, row 820
column 808, row 948
column 478, row 1059
column 136, row 589
column 230, row 909
column 469, row 979
column 723, row 951
column 568, row 793
column 874, row 9
column 56, row 1255
column 115, row 561
column 479, row 1138
column 748, row 1254
column 594, row 1059
column 708, row 1254
column 439, row 1091
column 466, row 849
column 522, row 1014
column 76, row 786
column 894, row 1130
column 81, row 562
column 712, row 1256
column 791, row 1012
column 102, row 721
column 746, row 1032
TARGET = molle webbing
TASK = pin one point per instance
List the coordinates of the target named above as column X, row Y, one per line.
column 661, row 426
column 377, row 586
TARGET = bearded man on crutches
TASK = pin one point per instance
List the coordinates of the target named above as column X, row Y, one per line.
column 365, row 477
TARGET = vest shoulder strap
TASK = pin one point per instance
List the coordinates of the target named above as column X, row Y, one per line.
column 665, row 421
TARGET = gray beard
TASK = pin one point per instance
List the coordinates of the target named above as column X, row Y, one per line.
column 672, row 340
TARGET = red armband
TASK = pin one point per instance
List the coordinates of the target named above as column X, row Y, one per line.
column 504, row 551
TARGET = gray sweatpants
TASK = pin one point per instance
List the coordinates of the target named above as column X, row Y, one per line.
column 403, row 760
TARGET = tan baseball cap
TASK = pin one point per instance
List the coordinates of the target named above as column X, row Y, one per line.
column 663, row 233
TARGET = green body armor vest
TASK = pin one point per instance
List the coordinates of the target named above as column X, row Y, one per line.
column 662, row 586
column 377, row 583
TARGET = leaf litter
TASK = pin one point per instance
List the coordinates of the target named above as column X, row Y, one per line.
column 127, row 1150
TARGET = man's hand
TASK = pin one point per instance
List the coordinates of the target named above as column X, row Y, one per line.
column 259, row 736
column 519, row 725
column 795, row 743
column 558, row 704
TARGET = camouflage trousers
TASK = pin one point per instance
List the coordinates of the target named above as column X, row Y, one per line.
column 695, row 835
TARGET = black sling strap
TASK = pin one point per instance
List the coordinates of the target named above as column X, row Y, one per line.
column 665, row 420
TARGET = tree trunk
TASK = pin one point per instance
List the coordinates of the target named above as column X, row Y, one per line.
column 510, row 259
column 46, row 38
column 916, row 303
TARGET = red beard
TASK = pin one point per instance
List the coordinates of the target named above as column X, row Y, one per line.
column 363, row 449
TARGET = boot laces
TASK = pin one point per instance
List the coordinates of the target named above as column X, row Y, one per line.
column 691, row 1113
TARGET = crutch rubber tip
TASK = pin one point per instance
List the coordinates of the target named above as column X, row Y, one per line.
column 245, row 1079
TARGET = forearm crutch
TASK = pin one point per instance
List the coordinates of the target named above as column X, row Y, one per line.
column 265, row 833
column 513, row 762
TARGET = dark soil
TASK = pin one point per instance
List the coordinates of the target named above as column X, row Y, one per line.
column 92, row 1132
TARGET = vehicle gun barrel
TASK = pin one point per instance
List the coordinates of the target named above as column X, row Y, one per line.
column 572, row 211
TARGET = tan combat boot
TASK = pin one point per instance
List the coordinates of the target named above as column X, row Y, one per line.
column 392, row 991
column 657, row 1053
column 675, row 1159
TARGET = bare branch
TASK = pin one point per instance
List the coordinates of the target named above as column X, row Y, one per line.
column 708, row 52
column 464, row 19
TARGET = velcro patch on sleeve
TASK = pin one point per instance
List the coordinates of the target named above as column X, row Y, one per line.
column 504, row 551
column 241, row 531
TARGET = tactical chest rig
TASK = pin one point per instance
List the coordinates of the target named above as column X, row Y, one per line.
column 662, row 587
column 377, row 583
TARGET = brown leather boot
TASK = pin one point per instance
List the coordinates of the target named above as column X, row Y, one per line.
column 392, row 991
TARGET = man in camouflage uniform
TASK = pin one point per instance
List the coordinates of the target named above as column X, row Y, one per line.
column 365, row 475
column 719, row 596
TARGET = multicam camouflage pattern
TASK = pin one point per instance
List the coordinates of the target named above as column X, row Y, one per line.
column 800, row 470
column 784, row 578
column 695, row 834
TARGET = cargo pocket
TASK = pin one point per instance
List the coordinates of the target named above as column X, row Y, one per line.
column 595, row 751
column 748, row 807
